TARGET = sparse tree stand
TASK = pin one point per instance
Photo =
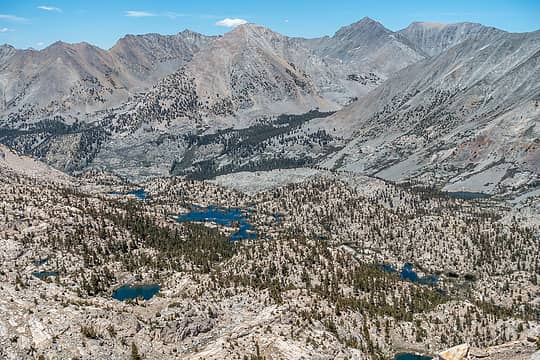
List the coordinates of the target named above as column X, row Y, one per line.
column 135, row 352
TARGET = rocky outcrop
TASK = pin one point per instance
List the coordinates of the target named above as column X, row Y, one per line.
column 459, row 352
column 176, row 331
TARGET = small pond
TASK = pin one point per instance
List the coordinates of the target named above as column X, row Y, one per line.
column 44, row 274
column 132, row 292
column 224, row 217
column 411, row 356
column 139, row 193
column 39, row 262
column 409, row 274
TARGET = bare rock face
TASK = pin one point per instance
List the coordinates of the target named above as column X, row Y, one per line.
column 368, row 45
column 523, row 349
column 445, row 119
column 6, row 51
column 145, row 54
column 178, row 330
column 361, row 55
column 82, row 78
column 24, row 165
column 434, row 38
column 58, row 77
column 459, row 352
column 252, row 67
column 254, row 71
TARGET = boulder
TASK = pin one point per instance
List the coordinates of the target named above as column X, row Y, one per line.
column 459, row 352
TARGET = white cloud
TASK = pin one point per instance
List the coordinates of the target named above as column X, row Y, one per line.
column 49, row 8
column 12, row 18
column 231, row 22
column 3, row 30
column 174, row 15
column 40, row 43
column 133, row 13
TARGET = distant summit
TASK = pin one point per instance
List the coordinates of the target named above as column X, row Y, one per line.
column 398, row 96
column 434, row 38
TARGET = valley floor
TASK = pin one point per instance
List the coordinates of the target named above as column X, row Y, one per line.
column 311, row 285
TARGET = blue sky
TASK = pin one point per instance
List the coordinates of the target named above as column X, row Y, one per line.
column 37, row 24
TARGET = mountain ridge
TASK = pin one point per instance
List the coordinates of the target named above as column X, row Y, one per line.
column 181, row 87
column 434, row 38
column 448, row 115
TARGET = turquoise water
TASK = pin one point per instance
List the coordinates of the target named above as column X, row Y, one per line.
column 388, row 268
column 408, row 273
column 135, row 291
column 224, row 217
column 44, row 274
column 410, row 356
column 139, row 194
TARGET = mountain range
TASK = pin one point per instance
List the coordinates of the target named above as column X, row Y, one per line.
column 455, row 105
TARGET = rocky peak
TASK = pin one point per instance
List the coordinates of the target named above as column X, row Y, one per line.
column 6, row 51
column 6, row 47
column 365, row 26
column 250, row 37
column 156, row 41
column 434, row 38
column 59, row 47
column 143, row 52
column 370, row 43
column 56, row 46
column 82, row 55
column 252, row 31
column 192, row 35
